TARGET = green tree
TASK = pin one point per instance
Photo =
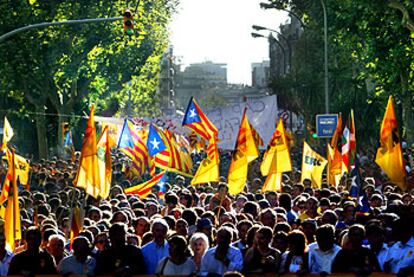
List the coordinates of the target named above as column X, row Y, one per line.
column 66, row 68
column 370, row 57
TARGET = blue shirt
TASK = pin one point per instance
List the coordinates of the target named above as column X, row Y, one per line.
column 209, row 264
column 153, row 254
column 70, row 265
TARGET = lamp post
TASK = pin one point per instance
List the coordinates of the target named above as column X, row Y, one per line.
column 325, row 38
column 325, row 27
column 260, row 28
column 256, row 35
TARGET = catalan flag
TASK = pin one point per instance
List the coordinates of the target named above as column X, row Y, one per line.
column 11, row 213
column 7, row 132
column 88, row 171
column 349, row 144
column 134, row 147
column 278, row 146
column 104, row 163
column 155, row 143
column 257, row 138
column 172, row 158
column 335, row 169
column 389, row 155
column 76, row 223
column 197, row 121
column 208, row 171
column 244, row 152
column 144, row 189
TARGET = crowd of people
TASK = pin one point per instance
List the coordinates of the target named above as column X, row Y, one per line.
column 203, row 230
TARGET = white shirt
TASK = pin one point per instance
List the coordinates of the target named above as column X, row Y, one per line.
column 401, row 255
column 4, row 264
column 209, row 264
column 170, row 268
column 321, row 261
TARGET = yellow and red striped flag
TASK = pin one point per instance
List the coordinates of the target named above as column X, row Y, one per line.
column 104, row 163
column 76, row 223
column 88, row 171
column 244, row 152
column 144, row 189
column 389, row 155
column 278, row 146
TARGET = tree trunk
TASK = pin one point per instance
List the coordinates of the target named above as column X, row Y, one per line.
column 41, row 131
column 407, row 109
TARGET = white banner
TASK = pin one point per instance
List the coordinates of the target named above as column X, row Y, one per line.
column 261, row 112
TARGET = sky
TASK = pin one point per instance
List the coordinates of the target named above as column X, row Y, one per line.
column 220, row 31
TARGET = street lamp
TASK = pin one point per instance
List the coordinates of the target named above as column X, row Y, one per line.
column 325, row 27
column 257, row 35
column 261, row 28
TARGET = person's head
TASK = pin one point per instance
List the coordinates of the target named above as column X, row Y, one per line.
column 222, row 189
column 177, row 247
column 159, row 229
column 309, row 227
column 252, row 208
column 181, row 227
column 297, row 189
column 329, row 217
column 285, row 201
column 325, row 237
column 356, row 234
column 280, row 241
column 271, row 197
column 242, row 227
column 56, row 245
column 224, row 236
column 95, row 214
column 311, row 205
column 199, row 244
column 120, row 216
column 81, row 248
column 117, row 234
column 33, row 238
column 375, row 234
column 296, row 242
column 205, row 226
column 264, row 236
column 101, row 241
column 349, row 210
column 268, row 217
column 141, row 225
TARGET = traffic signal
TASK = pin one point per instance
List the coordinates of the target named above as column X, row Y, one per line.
column 128, row 22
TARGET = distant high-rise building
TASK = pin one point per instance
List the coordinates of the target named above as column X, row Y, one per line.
column 260, row 74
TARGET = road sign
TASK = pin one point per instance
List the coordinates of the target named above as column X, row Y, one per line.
column 326, row 125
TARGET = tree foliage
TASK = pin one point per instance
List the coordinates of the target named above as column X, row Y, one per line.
column 370, row 58
column 63, row 69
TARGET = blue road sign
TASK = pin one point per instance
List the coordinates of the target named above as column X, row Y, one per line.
column 326, row 125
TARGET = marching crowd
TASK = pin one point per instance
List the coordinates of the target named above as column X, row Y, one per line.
column 203, row 230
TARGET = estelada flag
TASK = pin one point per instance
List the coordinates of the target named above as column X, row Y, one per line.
column 244, row 152
column 88, row 171
column 389, row 155
column 278, row 145
column 144, row 189
column 313, row 165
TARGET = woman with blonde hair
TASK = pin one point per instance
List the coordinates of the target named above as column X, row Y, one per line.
column 198, row 246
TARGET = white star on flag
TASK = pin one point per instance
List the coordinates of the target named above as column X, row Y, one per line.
column 193, row 113
column 155, row 143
